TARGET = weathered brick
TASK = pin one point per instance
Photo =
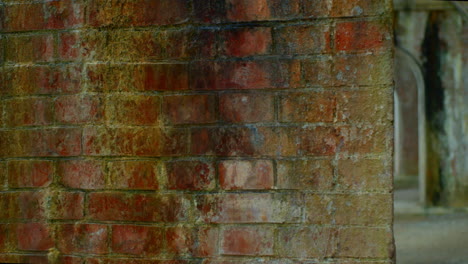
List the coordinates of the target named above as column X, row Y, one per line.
column 305, row 174
column 137, row 13
column 30, row 80
column 246, row 107
column 307, row 107
column 363, row 210
column 82, row 174
column 190, row 175
column 319, row 209
column 120, row 206
column 307, row 242
column 362, row 242
column 133, row 109
column 5, row 237
column 352, row 8
column 3, row 175
column 365, row 139
column 249, row 208
column 363, row 36
column 28, row 112
column 189, row 109
column 137, row 240
column 23, row 205
column 247, row 240
column 76, row 109
column 206, row 242
column 357, row 70
column 137, row 77
column 25, row 173
column 244, row 10
column 180, row 240
column 34, row 236
column 308, row 141
column 70, row 45
column 134, row 175
column 235, row 174
column 364, row 106
column 30, row 48
column 306, row 39
column 363, row 175
column 82, row 238
column 66, row 205
column 242, row 42
column 317, row 72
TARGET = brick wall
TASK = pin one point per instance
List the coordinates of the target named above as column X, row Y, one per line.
column 196, row 131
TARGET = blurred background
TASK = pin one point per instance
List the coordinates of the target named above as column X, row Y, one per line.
column 431, row 131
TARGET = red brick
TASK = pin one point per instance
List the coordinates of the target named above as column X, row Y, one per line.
column 242, row 42
column 139, row 77
column 69, row 45
column 133, row 109
column 34, row 236
column 140, row 175
column 190, row 175
column 364, row 175
column 234, row 174
column 309, row 141
column 247, row 10
column 66, row 205
column 3, row 175
column 5, row 239
column 30, row 205
column 362, row 242
column 247, row 240
column 64, row 14
column 76, row 109
column 30, row 80
column 207, row 242
column 234, row 141
column 28, row 16
column 82, row 238
column 362, row 36
column 363, row 210
column 305, row 174
column 30, row 48
column 263, row 74
column 246, row 108
column 137, row 13
column 137, row 240
column 30, row 173
column 351, row 8
column 307, row 242
column 308, row 107
column 28, row 112
column 189, row 109
column 120, row 206
column 307, row 39
column 82, row 174
column 317, row 72
column 180, row 240
column 249, row 208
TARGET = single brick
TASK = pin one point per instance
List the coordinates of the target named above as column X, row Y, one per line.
column 299, row 40
column 5, row 237
column 189, row 109
column 247, row 240
column 133, row 109
column 308, row 141
column 242, row 42
column 25, row 173
column 308, row 107
column 234, row 174
column 358, row 70
column 364, row 175
column 66, row 205
column 137, row 13
column 249, row 208
column 319, row 209
column 246, row 107
column 317, row 72
column 137, row 240
column 307, row 242
column 365, row 140
column 76, row 109
column 82, row 238
column 34, row 236
column 30, row 48
column 365, row 106
column 180, row 240
column 305, row 174
column 362, row 36
column 27, row 16
column 28, row 112
column 363, row 210
column 120, row 206
column 142, row 175
column 69, row 46
column 29, row 205
column 356, row 8
column 190, row 175
column 247, row 10
column 206, row 242
column 82, row 174
column 363, row 242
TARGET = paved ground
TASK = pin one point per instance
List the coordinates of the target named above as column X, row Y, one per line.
column 435, row 238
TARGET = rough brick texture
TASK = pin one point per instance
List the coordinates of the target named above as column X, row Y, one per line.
column 196, row 131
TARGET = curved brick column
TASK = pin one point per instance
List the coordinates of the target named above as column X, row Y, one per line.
column 178, row 131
